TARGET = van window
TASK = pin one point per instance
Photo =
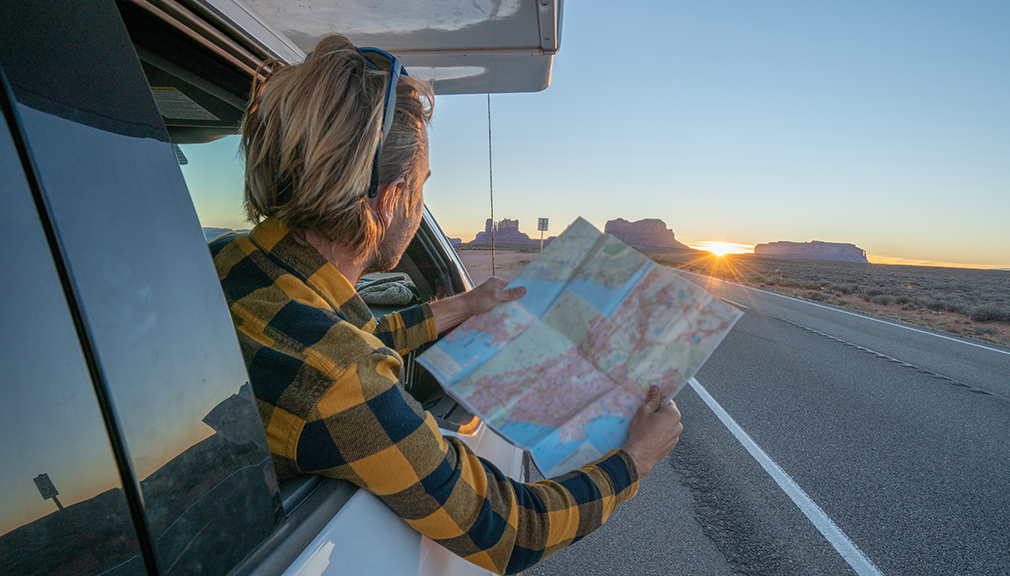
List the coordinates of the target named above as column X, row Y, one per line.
column 214, row 174
column 63, row 509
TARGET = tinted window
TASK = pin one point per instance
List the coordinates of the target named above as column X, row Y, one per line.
column 161, row 328
column 166, row 359
column 63, row 510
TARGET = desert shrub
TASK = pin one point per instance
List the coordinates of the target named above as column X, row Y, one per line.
column 801, row 284
column 902, row 299
column 958, row 305
column 984, row 330
column 943, row 304
column 910, row 306
column 818, row 296
column 844, row 288
column 867, row 292
column 933, row 303
column 882, row 299
column 989, row 313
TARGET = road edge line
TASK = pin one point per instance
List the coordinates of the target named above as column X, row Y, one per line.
column 831, row 532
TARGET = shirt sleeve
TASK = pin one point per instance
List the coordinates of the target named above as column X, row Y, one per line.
column 407, row 329
column 372, row 433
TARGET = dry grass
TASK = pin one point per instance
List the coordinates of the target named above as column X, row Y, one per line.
column 962, row 301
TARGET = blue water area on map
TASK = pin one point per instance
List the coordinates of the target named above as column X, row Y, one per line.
column 526, row 433
column 609, row 432
column 605, row 298
column 606, row 434
column 471, row 349
column 540, row 294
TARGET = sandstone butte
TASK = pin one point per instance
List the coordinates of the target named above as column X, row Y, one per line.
column 505, row 232
column 646, row 233
column 815, row 250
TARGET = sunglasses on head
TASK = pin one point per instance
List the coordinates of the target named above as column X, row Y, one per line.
column 386, row 62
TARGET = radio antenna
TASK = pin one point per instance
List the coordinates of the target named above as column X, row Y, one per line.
column 491, row 185
column 490, row 178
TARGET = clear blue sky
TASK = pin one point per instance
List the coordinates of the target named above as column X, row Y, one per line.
column 886, row 125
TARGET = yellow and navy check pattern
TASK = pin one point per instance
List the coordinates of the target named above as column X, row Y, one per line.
column 326, row 379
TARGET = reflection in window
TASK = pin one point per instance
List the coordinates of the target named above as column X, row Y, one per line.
column 205, row 506
column 160, row 328
column 62, row 509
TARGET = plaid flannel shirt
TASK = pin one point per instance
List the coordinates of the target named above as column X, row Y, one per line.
column 326, row 379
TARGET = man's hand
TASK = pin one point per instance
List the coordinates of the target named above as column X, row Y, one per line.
column 653, row 432
column 451, row 312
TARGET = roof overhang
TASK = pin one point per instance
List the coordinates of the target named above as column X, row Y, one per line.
column 461, row 46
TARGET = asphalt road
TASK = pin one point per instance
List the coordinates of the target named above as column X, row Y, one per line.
column 900, row 436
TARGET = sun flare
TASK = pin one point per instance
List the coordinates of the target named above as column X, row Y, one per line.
column 723, row 248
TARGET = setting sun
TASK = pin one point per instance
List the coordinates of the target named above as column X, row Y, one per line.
column 723, row 248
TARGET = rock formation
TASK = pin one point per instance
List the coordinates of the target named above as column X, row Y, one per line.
column 647, row 233
column 212, row 233
column 505, row 232
column 815, row 250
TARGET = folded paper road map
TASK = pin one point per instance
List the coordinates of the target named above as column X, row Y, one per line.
column 561, row 371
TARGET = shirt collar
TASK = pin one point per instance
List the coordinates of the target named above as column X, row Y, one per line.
column 306, row 263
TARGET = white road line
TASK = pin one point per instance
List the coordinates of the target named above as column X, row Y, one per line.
column 737, row 304
column 852, row 314
column 855, row 558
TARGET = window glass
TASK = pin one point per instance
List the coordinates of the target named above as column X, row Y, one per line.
column 62, row 510
column 214, row 174
column 160, row 326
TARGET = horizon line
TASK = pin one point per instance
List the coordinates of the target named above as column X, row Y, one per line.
column 872, row 258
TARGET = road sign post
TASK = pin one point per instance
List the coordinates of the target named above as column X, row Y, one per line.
column 542, row 227
column 47, row 490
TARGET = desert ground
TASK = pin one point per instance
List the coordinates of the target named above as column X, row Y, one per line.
column 507, row 263
column 966, row 302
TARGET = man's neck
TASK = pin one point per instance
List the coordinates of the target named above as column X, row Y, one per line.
column 336, row 255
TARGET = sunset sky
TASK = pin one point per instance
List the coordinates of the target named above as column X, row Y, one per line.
column 885, row 125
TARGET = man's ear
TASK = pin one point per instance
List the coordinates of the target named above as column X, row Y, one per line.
column 386, row 199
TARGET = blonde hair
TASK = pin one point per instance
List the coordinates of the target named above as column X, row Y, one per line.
column 309, row 137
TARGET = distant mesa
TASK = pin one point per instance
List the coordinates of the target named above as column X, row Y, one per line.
column 815, row 250
column 646, row 233
column 505, row 232
column 212, row 233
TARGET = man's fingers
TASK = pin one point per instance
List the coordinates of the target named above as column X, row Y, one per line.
column 670, row 405
column 514, row 293
column 496, row 282
column 654, row 398
column 494, row 288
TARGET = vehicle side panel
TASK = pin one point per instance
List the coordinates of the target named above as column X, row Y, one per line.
column 154, row 315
